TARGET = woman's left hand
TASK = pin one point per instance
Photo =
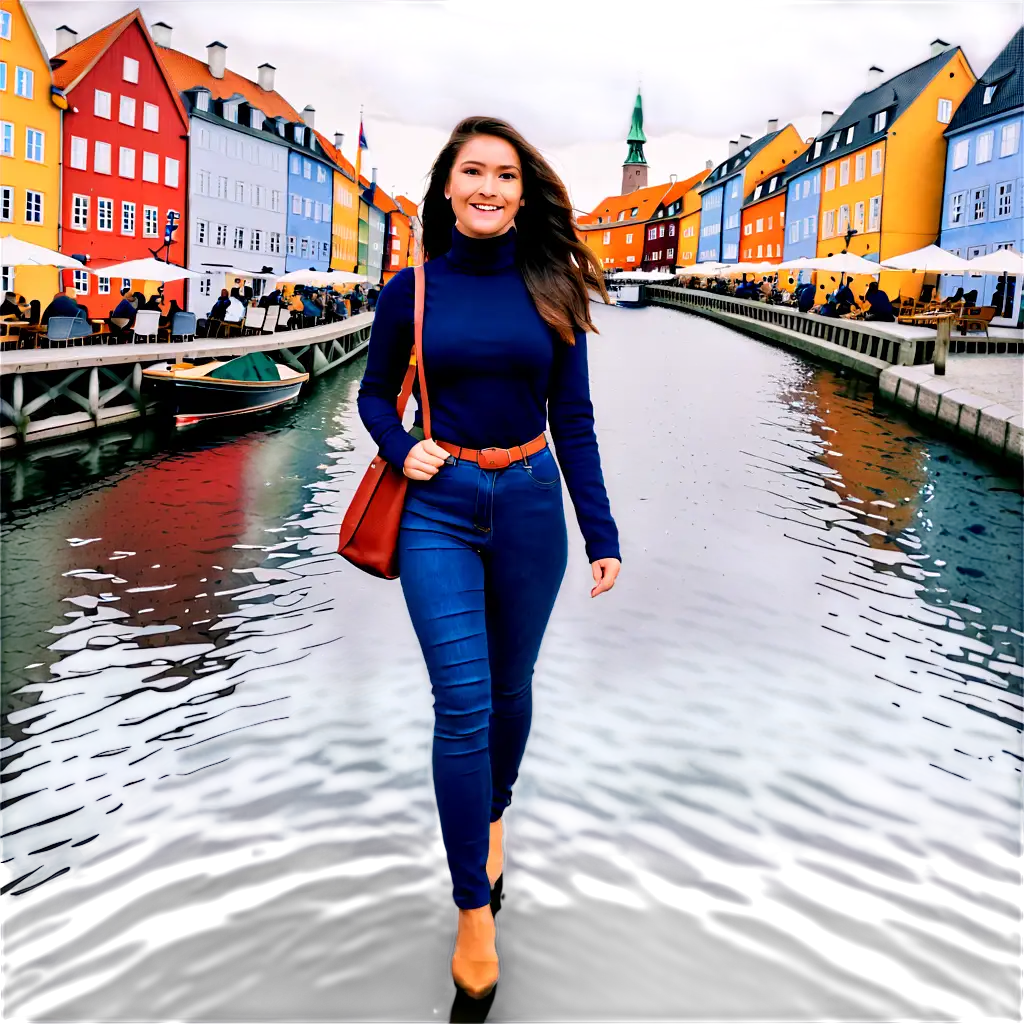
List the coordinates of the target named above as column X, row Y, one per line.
column 605, row 570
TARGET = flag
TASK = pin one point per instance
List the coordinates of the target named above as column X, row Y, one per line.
column 362, row 136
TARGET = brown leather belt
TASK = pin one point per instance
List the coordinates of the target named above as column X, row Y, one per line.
column 496, row 458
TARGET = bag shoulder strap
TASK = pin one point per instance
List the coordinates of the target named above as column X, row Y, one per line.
column 416, row 360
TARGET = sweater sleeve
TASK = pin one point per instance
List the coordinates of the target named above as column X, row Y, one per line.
column 391, row 341
column 571, row 416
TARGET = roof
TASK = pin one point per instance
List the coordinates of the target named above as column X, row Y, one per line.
column 1006, row 73
column 680, row 188
column 384, row 202
column 644, row 199
column 70, row 66
column 189, row 73
column 334, row 154
column 781, row 178
column 407, row 206
column 735, row 163
column 895, row 95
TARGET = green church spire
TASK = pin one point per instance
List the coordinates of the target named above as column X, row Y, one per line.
column 636, row 137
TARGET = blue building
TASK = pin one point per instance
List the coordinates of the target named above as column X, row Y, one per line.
column 803, row 202
column 310, row 199
column 983, row 197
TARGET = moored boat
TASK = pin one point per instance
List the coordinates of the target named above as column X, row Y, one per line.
column 248, row 384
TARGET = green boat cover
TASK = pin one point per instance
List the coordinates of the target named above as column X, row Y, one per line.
column 251, row 366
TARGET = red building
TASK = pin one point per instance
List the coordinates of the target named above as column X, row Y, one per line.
column 125, row 155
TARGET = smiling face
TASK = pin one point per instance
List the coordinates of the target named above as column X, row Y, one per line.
column 485, row 186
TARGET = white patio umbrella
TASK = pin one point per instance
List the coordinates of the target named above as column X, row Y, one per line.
column 929, row 260
column 709, row 269
column 237, row 272
column 1002, row 261
column 15, row 252
column 799, row 263
column 843, row 263
column 147, row 269
column 321, row 278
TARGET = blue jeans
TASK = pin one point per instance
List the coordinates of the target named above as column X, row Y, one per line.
column 482, row 553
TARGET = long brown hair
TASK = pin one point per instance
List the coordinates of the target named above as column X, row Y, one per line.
column 557, row 267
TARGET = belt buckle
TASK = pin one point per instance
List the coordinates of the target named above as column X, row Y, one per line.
column 494, row 461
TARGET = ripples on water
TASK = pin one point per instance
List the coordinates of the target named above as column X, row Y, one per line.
column 776, row 773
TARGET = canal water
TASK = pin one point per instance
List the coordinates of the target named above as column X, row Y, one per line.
column 775, row 773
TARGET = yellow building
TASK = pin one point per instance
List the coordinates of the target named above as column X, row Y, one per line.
column 689, row 229
column 883, row 164
column 345, row 208
column 30, row 143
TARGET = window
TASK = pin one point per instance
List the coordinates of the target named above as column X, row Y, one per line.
column 275, row 200
column 307, row 169
column 634, row 211
column 671, row 231
column 259, row 195
column 844, row 220
column 983, row 153
column 79, row 153
column 631, row 259
column 202, row 100
column 880, row 120
column 794, row 232
column 256, row 240
column 80, row 212
column 126, row 282
column 23, row 83
column 817, row 149
column 126, row 162
column 303, row 246
column 170, row 172
column 150, row 222
column 760, row 225
column 239, row 242
column 808, row 232
column 849, row 134
column 807, row 187
column 256, row 119
column 961, row 153
column 661, row 231
column 6, row 203
column 102, row 285
column 34, row 145
column 203, row 183
column 770, row 223
column 150, row 167
column 275, row 242
column 5, row 33
column 979, row 203
column 830, row 177
column 127, row 218
column 34, row 207
column 816, row 183
column 126, row 110
column 230, row 113
column 1009, row 139
column 760, row 251
column 834, row 144
column 1004, row 199
column 876, row 160
column 291, row 245
column 130, row 70
column 307, row 208
column 860, row 166
column 296, row 204
column 828, row 224
column 101, row 104
column 222, row 187
column 82, row 282
column 748, row 228
column 151, row 117
column 221, row 236
column 858, row 216
column 945, row 111
column 3, row 76
column 956, row 208
column 202, row 231
column 101, row 157
column 104, row 214
column 317, row 212
column 844, row 173
column 321, row 174
column 606, row 240
column 990, row 91
column 757, row 192
column 295, row 164
column 874, row 213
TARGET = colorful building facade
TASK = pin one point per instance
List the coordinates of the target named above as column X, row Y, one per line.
column 310, row 200
column 983, row 204
column 662, row 234
column 763, row 220
column 882, row 165
column 616, row 229
column 125, row 155
column 30, row 150
column 345, row 211
column 803, row 204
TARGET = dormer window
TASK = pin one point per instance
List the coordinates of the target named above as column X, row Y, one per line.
column 256, row 119
column 835, row 143
column 990, row 91
column 880, row 121
column 634, row 211
column 622, row 215
column 230, row 112
column 299, row 134
column 202, row 100
column 757, row 192
column 817, row 148
column 849, row 134
column 280, row 127
column 772, row 184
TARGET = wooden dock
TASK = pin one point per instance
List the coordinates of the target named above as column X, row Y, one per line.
column 52, row 393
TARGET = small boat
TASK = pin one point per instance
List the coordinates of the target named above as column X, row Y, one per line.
column 234, row 387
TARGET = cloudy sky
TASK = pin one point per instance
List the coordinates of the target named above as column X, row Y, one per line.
column 563, row 71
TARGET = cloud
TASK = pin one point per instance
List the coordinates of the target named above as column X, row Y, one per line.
column 564, row 71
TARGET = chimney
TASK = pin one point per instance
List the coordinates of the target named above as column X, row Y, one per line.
column 938, row 45
column 161, row 33
column 745, row 140
column 827, row 120
column 373, row 176
column 734, row 147
column 708, row 165
column 66, row 37
column 875, row 77
column 265, row 77
column 216, row 58
column 339, row 138
column 671, row 179
column 773, row 125
column 309, row 115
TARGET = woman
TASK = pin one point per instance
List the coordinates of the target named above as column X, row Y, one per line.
column 483, row 545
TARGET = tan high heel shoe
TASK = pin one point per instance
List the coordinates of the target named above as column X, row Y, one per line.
column 475, row 960
column 496, row 852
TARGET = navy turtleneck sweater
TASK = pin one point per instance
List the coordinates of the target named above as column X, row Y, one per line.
column 496, row 373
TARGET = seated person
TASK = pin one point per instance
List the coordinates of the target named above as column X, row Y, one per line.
column 828, row 308
column 122, row 316
column 844, row 299
column 155, row 301
column 167, row 319
column 971, row 297
column 271, row 299
column 34, row 313
column 879, row 307
column 805, row 297
column 10, row 307
column 63, row 304
column 216, row 314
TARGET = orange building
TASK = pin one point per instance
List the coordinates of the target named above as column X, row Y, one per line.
column 763, row 220
column 412, row 254
column 615, row 229
column 397, row 232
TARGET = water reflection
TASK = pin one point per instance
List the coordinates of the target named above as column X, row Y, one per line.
column 776, row 776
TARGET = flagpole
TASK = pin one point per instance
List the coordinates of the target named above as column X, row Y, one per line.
column 359, row 148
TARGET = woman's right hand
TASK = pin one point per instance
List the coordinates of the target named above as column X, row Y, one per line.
column 425, row 458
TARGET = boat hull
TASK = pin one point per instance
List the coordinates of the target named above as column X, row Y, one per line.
column 207, row 400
